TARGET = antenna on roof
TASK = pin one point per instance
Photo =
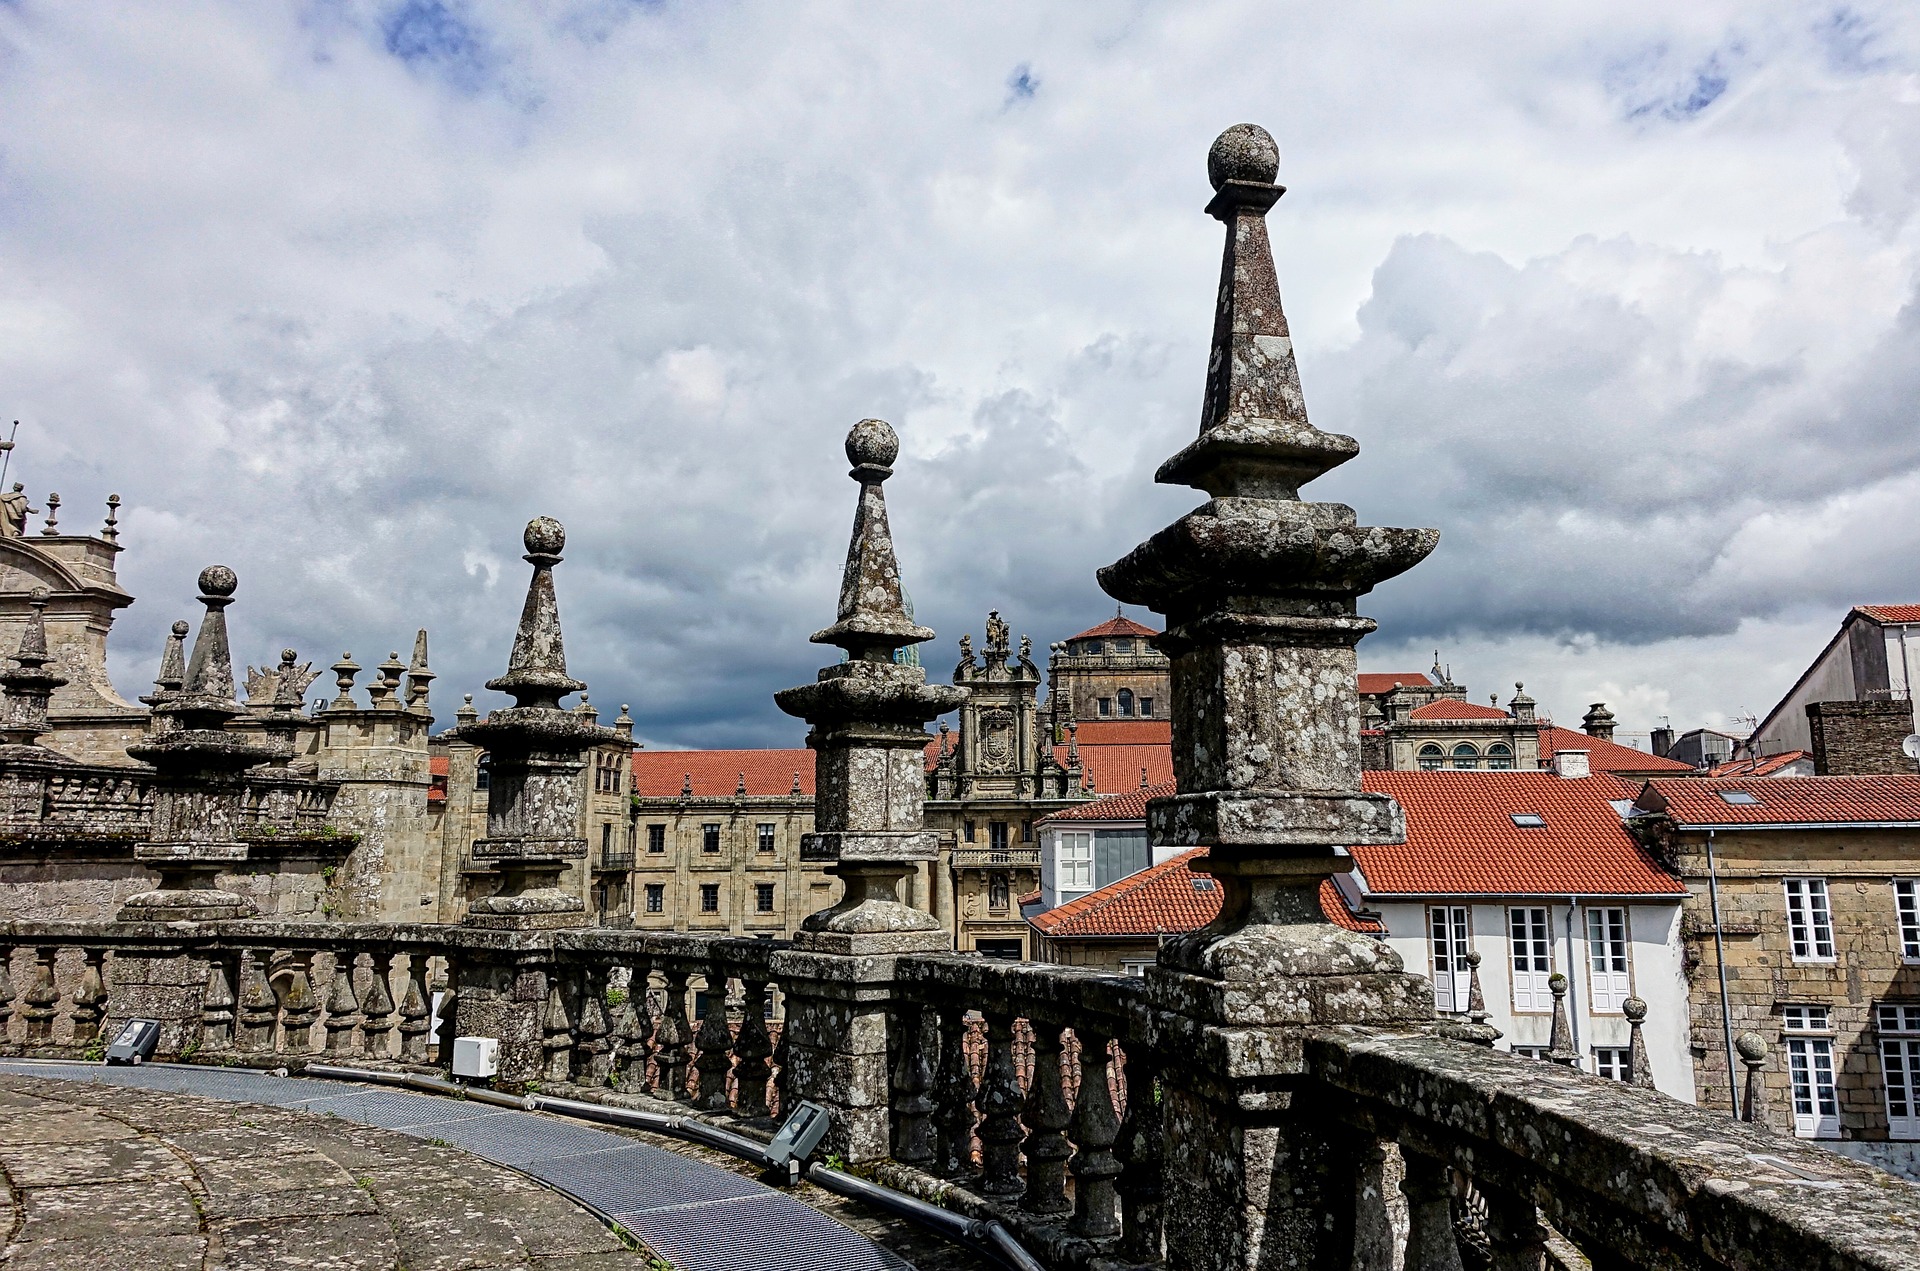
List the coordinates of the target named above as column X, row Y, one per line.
column 6, row 450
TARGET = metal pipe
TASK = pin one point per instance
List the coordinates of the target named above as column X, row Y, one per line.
column 987, row 1236
column 1720, row 958
column 1573, row 979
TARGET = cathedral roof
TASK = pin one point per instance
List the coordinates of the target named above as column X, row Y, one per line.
column 1454, row 708
column 1125, row 732
column 1380, row 683
column 1115, row 626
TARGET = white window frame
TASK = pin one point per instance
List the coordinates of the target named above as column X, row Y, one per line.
column 1898, row 1024
column 1530, row 957
column 1815, row 1099
column 1809, row 920
column 1531, row 1052
column 1448, row 932
column 1609, row 959
column 1615, row 1063
column 1073, row 860
column 1906, row 911
column 763, row 834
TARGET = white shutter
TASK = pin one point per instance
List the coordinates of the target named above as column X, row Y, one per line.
column 1607, row 959
column 1447, row 940
column 1532, row 959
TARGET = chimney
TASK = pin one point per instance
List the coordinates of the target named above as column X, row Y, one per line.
column 1853, row 739
column 1599, row 722
column 1571, row 763
column 1660, row 740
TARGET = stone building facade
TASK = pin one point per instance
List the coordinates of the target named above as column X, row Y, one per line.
column 1108, row 672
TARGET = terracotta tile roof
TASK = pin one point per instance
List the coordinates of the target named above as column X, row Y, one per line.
column 437, row 765
column 659, row 774
column 1131, row 806
column 1125, row 732
column 1786, row 800
column 1462, row 840
column 1379, row 683
column 1765, row 766
column 1605, row 756
column 1455, row 708
column 1165, row 900
column 1116, row 626
column 1334, row 905
column 1116, row 769
column 1890, row 613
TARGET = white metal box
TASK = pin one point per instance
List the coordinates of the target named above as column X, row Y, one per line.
column 476, row 1056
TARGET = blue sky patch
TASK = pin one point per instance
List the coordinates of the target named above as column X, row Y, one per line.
column 431, row 35
column 1022, row 84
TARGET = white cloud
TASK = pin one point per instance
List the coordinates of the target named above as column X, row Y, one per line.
column 342, row 294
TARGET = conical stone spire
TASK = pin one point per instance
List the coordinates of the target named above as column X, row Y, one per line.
column 173, row 663
column 28, row 687
column 420, row 676
column 868, row 718
column 535, row 752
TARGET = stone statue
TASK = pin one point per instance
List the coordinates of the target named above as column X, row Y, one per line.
column 13, row 512
column 996, row 632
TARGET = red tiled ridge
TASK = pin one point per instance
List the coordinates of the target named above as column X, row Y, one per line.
column 1131, row 806
column 1125, row 732
column 1379, row 683
column 1461, row 839
column 1455, row 708
column 1786, row 800
column 660, row 774
column 1160, row 900
column 1891, row 613
column 1765, row 766
column 1605, row 756
column 1115, row 626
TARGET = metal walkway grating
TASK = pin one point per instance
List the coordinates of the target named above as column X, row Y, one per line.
column 698, row 1216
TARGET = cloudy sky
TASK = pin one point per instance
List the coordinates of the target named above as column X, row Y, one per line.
column 1619, row 297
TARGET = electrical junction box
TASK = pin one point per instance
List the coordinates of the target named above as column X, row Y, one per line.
column 135, row 1042
column 799, row 1135
column 476, row 1056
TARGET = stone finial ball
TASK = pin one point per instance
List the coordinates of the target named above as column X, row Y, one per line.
column 1752, row 1047
column 289, row 656
column 1244, row 152
column 545, row 536
column 180, row 627
column 218, row 580
column 38, row 596
column 874, row 442
column 1634, row 1009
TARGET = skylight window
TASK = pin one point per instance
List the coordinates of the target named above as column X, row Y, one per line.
column 1529, row 820
column 1203, row 884
column 1739, row 798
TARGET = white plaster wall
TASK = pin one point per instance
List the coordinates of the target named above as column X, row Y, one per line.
column 1903, row 665
column 1831, row 680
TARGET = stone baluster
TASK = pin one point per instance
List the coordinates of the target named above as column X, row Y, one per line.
column 1047, row 1116
column 343, row 1006
column 218, row 1015
column 633, row 1026
column 1142, row 1153
column 556, row 1031
column 258, row 1009
column 953, row 1094
column 1560, row 1042
column 1639, row 1066
column 1373, row 1209
column 913, row 1134
column 300, row 1010
column 999, row 1102
column 671, row 1041
column 1095, row 1128
column 1516, row 1238
column 416, row 1010
column 42, row 1002
column 444, row 1019
column 6, row 993
column 592, row 1033
column 751, row 1049
column 379, row 1015
column 1476, row 998
column 89, row 998
column 1428, row 1186
column 714, row 1045
column 1753, row 1054
column 783, row 1098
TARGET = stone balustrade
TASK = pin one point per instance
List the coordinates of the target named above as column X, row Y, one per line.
column 98, row 803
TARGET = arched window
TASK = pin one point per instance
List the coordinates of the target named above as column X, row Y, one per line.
column 1126, row 702
column 1431, row 757
column 1500, row 756
column 1465, row 756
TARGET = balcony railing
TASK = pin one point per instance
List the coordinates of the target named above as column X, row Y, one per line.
column 614, row 862
column 988, row 858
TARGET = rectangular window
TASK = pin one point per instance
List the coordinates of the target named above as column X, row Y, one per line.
column 1607, row 978
column 656, row 898
column 1137, row 970
column 1003, row 950
column 764, row 836
column 1809, row 920
column 1816, row 1107
column 1531, row 1052
column 997, row 836
column 1532, row 959
column 709, row 898
column 1075, row 860
column 1447, row 937
column 710, row 837
column 1906, row 904
column 606, row 838
column 1899, row 1029
column 966, row 830
column 1146, row 708
column 1615, row 1063
column 1105, row 705
column 763, row 897
column 656, row 838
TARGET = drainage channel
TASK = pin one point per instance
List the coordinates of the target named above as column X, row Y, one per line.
column 697, row 1216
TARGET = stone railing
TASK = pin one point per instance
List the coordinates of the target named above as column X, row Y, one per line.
column 986, row 857
column 115, row 803
column 1024, row 1092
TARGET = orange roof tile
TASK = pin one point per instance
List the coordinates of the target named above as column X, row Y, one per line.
column 437, row 765
column 1114, row 769
column 1115, row 626
column 660, row 774
column 1605, row 756
column 1765, row 766
column 1455, row 708
column 1334, row 905
column 1125, row 732
column 1462, row 840
column 1164, row 900
column 1884, row 800
column 1890, row 613
column 1380, row 683
column 1131, row 806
